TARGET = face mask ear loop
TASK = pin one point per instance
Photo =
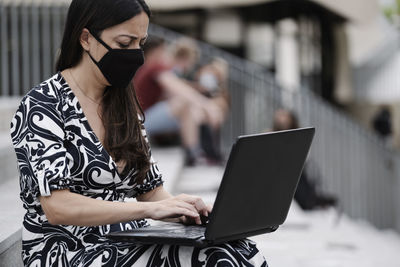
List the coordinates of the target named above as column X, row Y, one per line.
column 94, row 61
column 100, row 41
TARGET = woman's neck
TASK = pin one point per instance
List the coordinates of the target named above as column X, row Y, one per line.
column 85, row 79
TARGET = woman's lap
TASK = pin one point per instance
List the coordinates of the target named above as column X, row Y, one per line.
column 237, row 253
column 96, row 251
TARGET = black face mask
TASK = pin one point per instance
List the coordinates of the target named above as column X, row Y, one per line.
column 119, row 66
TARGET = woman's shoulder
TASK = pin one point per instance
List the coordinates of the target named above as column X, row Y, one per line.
column 47, row 98
column 44, row 101
column 48, row 92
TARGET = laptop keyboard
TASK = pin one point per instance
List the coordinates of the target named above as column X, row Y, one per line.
column 187, row 232
column 173, row 230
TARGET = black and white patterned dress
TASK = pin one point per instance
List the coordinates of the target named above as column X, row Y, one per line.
column 56, row 149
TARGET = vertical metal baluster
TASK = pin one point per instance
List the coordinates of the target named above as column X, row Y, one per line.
column 35, row 46
column 25, row 43
column 5, row 82
column 46, row 41
column 56, row 33
column 15, row 65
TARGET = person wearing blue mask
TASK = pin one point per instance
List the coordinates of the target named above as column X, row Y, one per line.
column 82, row 150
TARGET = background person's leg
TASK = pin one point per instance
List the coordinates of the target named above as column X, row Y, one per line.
column 159, row 119
column 190, row 118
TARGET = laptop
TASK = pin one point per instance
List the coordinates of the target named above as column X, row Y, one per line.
column 254, row 196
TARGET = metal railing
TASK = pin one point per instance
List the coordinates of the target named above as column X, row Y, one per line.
column 30, row 38
column 351, row 162
column 377, row 77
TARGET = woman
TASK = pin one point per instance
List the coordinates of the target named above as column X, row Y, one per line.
column 81, row 150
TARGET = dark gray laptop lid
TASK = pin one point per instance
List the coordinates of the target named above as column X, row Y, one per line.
column 259, row 183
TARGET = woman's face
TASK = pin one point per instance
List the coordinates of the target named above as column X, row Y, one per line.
column 130, row 34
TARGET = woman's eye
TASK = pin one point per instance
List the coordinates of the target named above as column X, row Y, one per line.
column 123, row 45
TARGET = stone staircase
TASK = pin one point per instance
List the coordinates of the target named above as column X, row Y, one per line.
column 321, row 238
column 10, row 223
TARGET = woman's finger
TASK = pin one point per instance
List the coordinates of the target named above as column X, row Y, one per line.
column 185, row 212
column 183, row 204
column 198, row 204
column 201, row 207
column 196, row 218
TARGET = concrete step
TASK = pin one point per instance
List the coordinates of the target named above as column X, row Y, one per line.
column 12, row 213
column 8, row 165
column 8, row 159
column 326, row 241
column 8, row 106
column 202, row 181
column 319, row 238
column 170, row 161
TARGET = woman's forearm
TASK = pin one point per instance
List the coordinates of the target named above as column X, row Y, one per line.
column 66, row 208
column 157, row 194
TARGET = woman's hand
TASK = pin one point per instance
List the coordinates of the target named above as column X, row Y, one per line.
column 188, row 208
column 189, row 221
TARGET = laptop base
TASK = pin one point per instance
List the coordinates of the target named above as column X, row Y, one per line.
column 176, row 234
column 164, row 233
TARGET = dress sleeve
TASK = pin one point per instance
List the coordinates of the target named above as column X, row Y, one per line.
column 37, row 133
column 153, row 177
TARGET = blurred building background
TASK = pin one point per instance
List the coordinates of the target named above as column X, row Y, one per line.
column 344, row 51
column 335, row 63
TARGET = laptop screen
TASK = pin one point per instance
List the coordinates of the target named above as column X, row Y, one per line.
column 259, row 182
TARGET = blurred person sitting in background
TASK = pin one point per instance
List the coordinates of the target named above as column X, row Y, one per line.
column 382, row 124
column 211, row 80
column 185, row 55
column 170, row 104
column 307, row 194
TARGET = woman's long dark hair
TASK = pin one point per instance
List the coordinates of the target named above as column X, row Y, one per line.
column 120, row 116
